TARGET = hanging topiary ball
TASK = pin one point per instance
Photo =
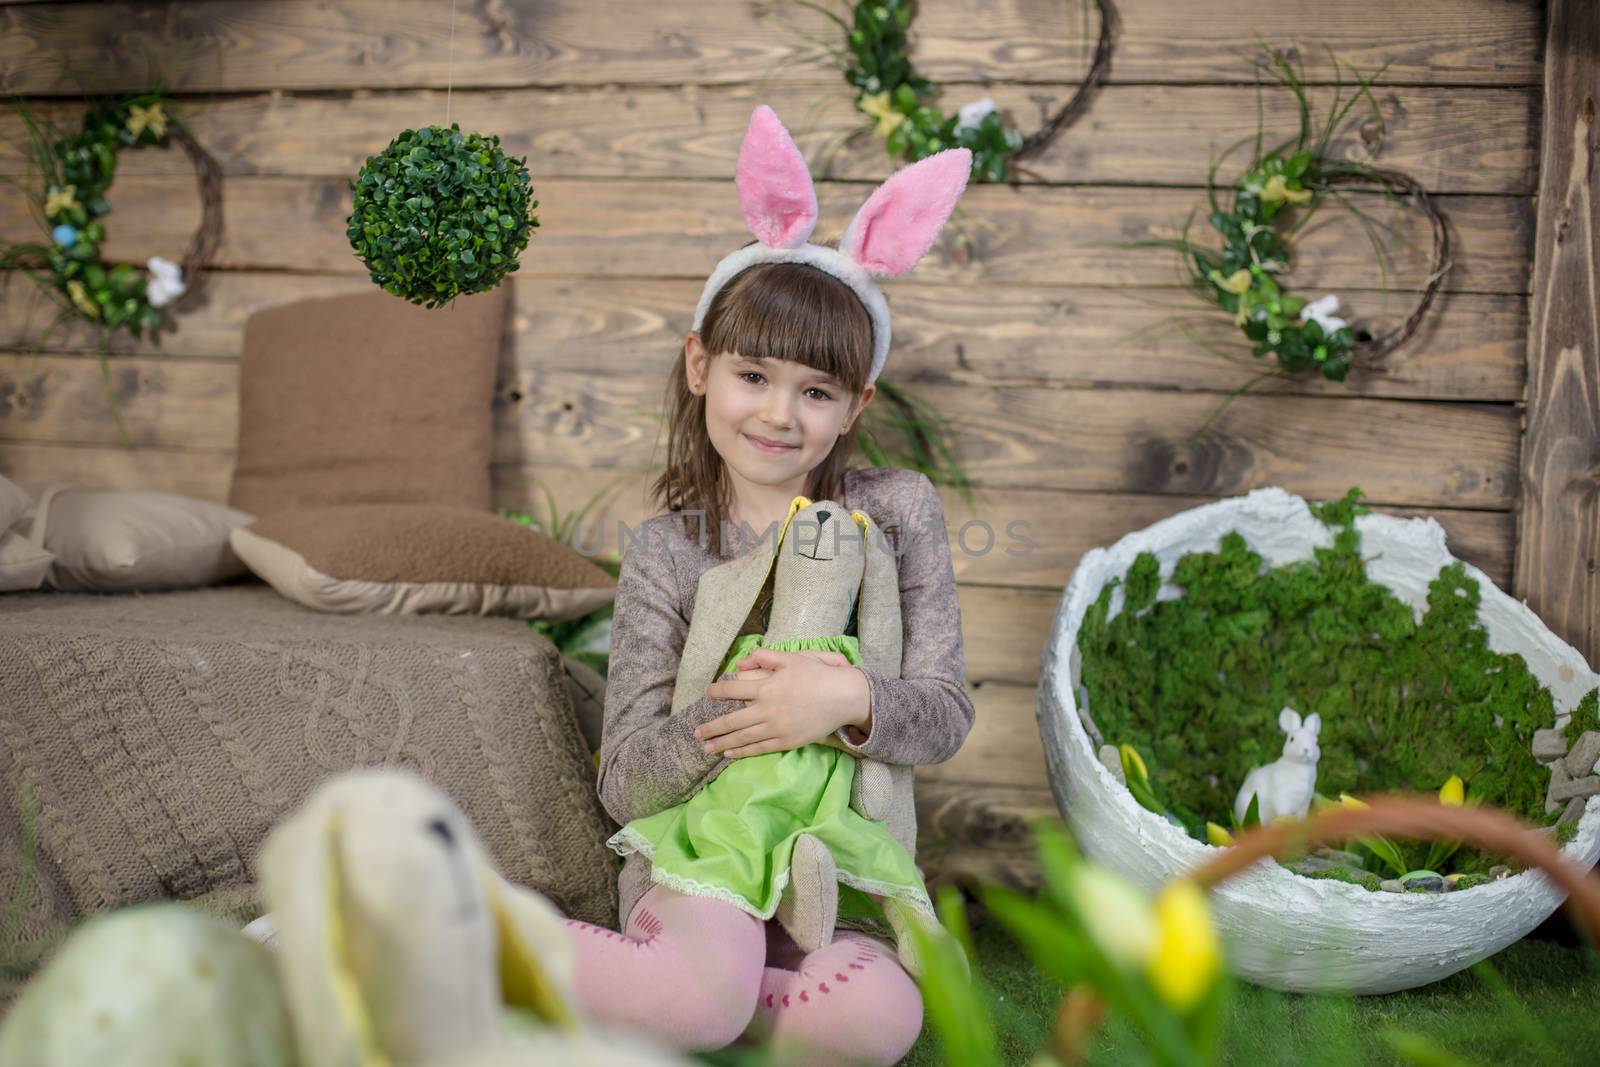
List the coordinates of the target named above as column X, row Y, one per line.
column 439, row 213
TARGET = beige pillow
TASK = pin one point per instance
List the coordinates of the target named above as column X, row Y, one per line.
column 129, row 540
column 13, row 502
column 367, row 399
column 407, row 559
column 23, row 564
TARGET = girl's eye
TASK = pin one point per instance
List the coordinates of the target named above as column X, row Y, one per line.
column 747, row 375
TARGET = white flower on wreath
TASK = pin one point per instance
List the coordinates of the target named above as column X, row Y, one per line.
column 1322, row 312
column 166, row 282
column 971, row 116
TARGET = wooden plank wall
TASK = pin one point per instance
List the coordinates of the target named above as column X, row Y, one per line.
column 1027, row 326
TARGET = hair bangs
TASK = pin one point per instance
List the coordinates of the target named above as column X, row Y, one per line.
column 794, row 311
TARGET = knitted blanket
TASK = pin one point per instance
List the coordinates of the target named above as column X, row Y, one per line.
column 149, row 743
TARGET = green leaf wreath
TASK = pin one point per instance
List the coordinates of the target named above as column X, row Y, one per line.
column 76, row 172
column 1241, row 278
column 901, row 102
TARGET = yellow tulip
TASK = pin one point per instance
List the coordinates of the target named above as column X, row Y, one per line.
column 878, row 107
column 1130, row 755
column 141, row 117
column 1116, row 914
column 1218, row 836
column 1188, row 954
column 60, row 198
column 1453, row 793
column 1351, row 802
column 80, row 296
column 1277, row 190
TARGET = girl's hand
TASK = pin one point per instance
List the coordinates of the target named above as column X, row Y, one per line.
column 795, row 698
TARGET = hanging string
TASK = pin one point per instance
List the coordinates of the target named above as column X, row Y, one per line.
column 450, row 65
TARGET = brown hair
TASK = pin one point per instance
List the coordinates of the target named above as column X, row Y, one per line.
column 789, row 311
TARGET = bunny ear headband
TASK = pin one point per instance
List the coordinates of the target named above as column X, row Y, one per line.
column 894, row 228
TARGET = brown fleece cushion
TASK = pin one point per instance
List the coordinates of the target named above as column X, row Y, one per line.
column 414, row 559
column 365, row 398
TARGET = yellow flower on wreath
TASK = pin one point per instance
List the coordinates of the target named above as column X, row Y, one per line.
column 1237, row 283
column 878, row 106
column 152, row 117
column 80, row 296
column 1277, row 190
column 59, row 198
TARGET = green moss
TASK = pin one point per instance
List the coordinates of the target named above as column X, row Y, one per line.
column 1353, row 875
column 1585, row 717
column 1566, row 832
column 1197, row 682
column 1471, row 881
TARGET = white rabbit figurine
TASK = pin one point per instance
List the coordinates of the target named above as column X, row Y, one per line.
column 1286, row 785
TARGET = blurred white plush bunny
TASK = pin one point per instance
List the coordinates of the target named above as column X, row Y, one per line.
column 1285, row 786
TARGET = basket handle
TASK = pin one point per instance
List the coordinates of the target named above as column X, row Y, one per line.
column 1490, row 829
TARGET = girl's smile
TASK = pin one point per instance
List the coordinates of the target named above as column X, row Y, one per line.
column 763, row 445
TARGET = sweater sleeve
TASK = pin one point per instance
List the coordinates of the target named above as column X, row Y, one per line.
column 924, row 715
column 650, row 758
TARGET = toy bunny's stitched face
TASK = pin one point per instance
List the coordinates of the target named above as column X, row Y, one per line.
column 414, row 848
column 818, row 572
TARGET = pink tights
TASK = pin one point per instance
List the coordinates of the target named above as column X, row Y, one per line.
column 695, row 973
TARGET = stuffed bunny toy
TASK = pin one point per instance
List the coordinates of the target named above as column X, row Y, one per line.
column 1285, row 787
column 393, row 942
column 397, row 941
column 814, row 593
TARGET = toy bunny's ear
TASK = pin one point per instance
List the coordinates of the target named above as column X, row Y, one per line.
column 903, row 216
column 1288, row 720
column 775, row 191
column 529, row 932
column 1314, row 723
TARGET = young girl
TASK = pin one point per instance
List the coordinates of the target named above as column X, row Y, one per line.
column 787, row 342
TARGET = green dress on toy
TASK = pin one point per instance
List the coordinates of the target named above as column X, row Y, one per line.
column 733, row 839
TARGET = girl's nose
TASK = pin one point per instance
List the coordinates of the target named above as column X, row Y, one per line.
column 780, row 410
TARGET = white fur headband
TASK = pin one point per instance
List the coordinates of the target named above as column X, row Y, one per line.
column 894, row 228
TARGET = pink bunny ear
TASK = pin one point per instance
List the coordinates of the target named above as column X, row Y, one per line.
column 902, row 218
column 775, row 192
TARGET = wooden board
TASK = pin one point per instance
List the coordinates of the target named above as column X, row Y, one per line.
column 1061, row 525
column 233, row 45
column 1121, row 440
column 1558, row 549
column 1471, row 346
column 1458, row 140
column 1042, row 235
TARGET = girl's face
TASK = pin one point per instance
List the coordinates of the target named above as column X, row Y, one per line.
column 772, row 421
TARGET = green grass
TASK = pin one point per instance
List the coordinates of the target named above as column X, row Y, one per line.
column 1557, row 986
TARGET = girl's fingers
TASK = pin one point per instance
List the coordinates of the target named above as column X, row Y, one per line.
column 740, row 738
column 725, row 724
column 757, row 749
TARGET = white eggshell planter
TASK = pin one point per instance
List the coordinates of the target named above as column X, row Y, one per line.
column 1282, row 930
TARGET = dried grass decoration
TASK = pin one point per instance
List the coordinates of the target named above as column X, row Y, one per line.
column 439, row 213
column 77, row 173
column 1303, row 336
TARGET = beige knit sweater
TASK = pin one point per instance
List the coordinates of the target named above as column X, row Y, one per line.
column 651, row 760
